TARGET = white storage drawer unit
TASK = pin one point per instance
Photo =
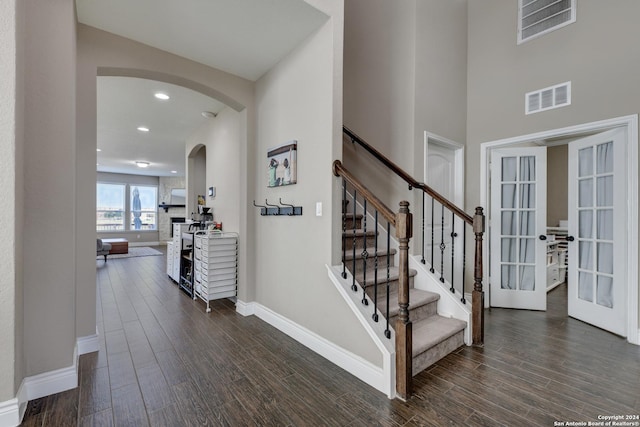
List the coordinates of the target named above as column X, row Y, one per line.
column 215, row 265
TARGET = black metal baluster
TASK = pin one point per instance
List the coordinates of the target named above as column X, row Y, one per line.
column 453, row 236
column 365, row 255
column 423, row 260
column 354, row 288
column 442, row 245
column 464, row 258
column 387, row 332
column 432, row 270
column 375, row 271
column 344, row 228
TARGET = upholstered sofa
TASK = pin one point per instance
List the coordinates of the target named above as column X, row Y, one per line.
column 103, row 249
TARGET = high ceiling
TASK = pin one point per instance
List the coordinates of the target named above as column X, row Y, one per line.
column 242, row 37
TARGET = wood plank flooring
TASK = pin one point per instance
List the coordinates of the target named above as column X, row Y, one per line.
column 163, row 361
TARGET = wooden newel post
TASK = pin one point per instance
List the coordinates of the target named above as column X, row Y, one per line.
column 477, row 296
column 403, row 327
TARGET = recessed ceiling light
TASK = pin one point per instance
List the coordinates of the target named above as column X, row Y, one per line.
column 142, row 164
column 209, row 114
column 97, row 149
column 161, row 95
column 143, row 129
column 174, row 171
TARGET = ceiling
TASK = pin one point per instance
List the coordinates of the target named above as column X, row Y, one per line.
column 243, row 37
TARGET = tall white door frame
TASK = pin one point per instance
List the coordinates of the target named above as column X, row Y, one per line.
column 631, row 125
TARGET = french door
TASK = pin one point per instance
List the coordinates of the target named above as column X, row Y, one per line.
column 518, row 228
column 597, row 212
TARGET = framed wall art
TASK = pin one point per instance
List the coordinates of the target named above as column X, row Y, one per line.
column 282, row 164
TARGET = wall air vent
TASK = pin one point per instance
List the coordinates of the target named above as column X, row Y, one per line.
column 538, row 17
column 548, row 98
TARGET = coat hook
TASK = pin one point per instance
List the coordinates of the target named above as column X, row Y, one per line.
column 262, row 212
column 266, row 202
column 293, row 208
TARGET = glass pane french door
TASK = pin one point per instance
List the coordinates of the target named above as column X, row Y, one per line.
column 596, row 221
column 518, row 222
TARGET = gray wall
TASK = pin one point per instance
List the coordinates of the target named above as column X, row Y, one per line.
column 49, row 232
column 405, row 73
column 598, row 53
column 221, row 137
column 297, row 100
column 557, row 184
column 10, row 165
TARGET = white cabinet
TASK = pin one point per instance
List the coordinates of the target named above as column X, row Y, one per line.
column 169, row 258
column 173, row 264
column 215, row 265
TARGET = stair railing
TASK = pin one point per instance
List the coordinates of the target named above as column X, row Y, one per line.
column 354, row 191
column 447, row 211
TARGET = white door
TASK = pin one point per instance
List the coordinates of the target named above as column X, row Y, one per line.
column 518, row 228
column 597, row 208
column 442, row 231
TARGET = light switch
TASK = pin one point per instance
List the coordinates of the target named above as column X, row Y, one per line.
column 319, row 209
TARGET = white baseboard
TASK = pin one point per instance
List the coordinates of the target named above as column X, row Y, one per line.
column 88, row 344
column 352, row 363
column 246, row 309
column 45, row 384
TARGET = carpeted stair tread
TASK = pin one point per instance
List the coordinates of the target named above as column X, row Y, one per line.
column 417, row 298
column 382, row 276
column 358, row 232
column 382, row 253
column 433, row 330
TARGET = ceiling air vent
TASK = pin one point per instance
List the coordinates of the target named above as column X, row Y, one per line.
column 537, row 17
column 548, row 98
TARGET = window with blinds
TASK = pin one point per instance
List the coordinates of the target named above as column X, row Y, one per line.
column 538, row 17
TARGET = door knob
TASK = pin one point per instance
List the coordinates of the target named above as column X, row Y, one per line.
column 570, row 238
column 542, row 237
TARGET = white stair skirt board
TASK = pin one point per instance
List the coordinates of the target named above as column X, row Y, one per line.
column 46, row 383
column 375, row 376
column 449, row 304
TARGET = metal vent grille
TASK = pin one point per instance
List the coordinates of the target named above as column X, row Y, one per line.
column 537, row 17
column 548, row 98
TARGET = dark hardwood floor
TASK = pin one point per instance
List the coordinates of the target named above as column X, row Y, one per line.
column 163, row 361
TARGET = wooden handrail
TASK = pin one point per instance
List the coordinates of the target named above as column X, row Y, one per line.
column 388, row 214
column 408, row 178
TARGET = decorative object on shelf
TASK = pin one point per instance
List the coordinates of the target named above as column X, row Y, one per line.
column 282, row 165
column 276, row 210
column 201, row 200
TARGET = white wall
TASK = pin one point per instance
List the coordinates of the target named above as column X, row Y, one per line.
column 221, row 136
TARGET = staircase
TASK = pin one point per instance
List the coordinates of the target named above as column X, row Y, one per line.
column 433, row 336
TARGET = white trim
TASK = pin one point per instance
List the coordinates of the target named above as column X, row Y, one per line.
column 366, row 371
column 631, row 124
column 46, row 383
column 246, row 308
column 88, row 344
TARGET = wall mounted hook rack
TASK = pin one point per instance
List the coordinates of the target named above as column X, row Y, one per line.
column 278, row 210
